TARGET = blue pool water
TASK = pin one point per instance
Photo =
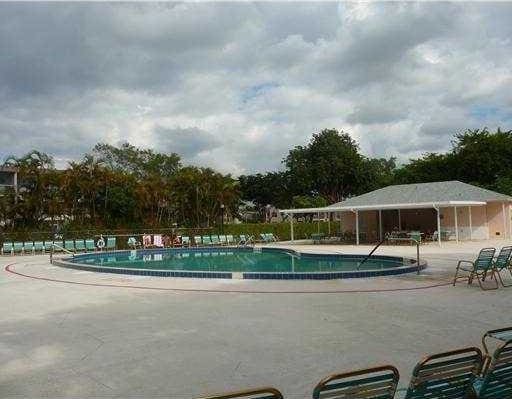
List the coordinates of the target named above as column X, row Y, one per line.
column 226, row 260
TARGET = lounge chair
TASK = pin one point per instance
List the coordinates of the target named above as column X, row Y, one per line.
column 480, row 268
column 80, row 245
column 111, row 243
column 7, row 247
column 223, row 240
column 373, row 383
column 197, row 240
column 207, row 240
column 502, row 264
column 258, row 393
column 157, row 241
column 230, row 239
column 496, row 380
column 28, row 247
column 18, row 247
column 446, row 375
column 215, row 240
column 39, row 246
column 269, row 237
column 185, row 241
column 69, row 245
column 89, row 245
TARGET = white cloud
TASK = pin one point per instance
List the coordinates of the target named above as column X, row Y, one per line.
column 235, row 86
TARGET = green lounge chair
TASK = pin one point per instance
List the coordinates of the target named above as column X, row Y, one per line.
column 7, row 247
column 207, row 240
column 496, row 380
column 230, row 239
column 197, row 240
column 185, row 241
column 373, row 383
column 69, row 245
column 28, row 247
column 80, row 245
column 18, row 247
column 480, row 268
column 39, row 247
column 502, row 263
column 89, row 245
column 446, row 375
column 111, row 243
column 258, row 393
column 215, row 240
column 223, row 240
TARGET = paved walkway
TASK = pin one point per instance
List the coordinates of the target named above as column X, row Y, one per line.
column 101, row 338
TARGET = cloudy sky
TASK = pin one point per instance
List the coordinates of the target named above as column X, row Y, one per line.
column 236, row 85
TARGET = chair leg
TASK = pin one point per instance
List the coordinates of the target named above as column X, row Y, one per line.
column 501, row 278
column 481, row 280
column 456, row 275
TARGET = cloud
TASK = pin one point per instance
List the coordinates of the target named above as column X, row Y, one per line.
column 234, row 86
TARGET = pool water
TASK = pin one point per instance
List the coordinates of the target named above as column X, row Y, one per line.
column 236, row 260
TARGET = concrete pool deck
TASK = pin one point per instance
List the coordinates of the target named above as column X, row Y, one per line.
column 102, row 335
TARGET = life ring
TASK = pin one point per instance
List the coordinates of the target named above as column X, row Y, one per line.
column 101, row 243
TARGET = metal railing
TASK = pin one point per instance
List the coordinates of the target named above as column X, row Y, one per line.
column 412, row 240
column 52, row 250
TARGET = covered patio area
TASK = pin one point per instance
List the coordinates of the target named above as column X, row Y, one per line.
column 457, row 211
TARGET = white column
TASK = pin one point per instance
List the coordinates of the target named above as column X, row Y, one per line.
column 357, row 227
column 399, row 220
column 380, row 225
column 329, row 223
column 504, row 220
column 291, row 227
column 456, row 224
column 470, row 224
column 318, row 222
column 438, row 226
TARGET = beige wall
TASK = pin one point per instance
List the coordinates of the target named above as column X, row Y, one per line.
column 486, row 221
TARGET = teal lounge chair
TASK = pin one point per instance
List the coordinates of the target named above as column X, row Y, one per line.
column 215, row 240
column 197, row 240
column 89, row 245
column 28, row 248
column 69, row 245
column 207, row 240
column 80, row 245
column 502, row 263
column 230, row 240
column 185, row 241
column 18, row 247
column 39, row 247
column 446, row 375
column 111, row 243
column 374, row 383
column 480, row 268
column 258, row 393
column 7, row 247
column 223, row 240
column 496, row 380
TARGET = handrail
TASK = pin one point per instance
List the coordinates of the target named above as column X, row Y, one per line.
column 52, row 249
column 410, row 239
column 371, row 253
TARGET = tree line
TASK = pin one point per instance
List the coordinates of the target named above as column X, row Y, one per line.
column 129, row 187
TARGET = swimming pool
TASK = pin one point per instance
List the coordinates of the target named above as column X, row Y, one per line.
column 246, row 263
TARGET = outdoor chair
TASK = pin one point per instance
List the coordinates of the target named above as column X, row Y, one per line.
column 373, row 383
column 185, row 241
column 207, row 240
column 446, row 375
column 480, row 268
column 215, row 240
column 69, row 245
column 197, row 240
column 38, row 246
column 48, row 246
column 496, row 380
column 18, row 247
column 223, row 240
column 258, row 393
column 7, row 247
column 89, row 245
column 28, row 247
column 111, row 243
column 502, row 264
column 230, row 239
column 80, row 245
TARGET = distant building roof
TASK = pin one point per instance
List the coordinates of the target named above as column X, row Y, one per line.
column 421, row 195
column 443, row 191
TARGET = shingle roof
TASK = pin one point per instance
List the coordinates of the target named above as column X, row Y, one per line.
column 443, row 191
